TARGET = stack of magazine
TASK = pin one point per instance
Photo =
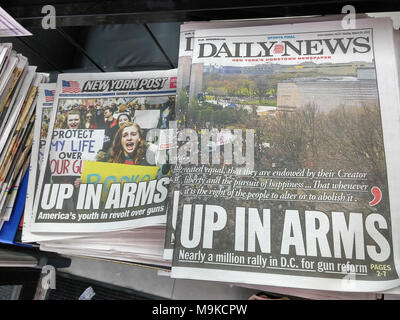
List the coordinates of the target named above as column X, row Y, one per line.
column 268, row 158
column 18, row 91
column 99, row 179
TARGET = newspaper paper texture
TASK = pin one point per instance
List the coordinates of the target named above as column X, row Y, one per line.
column 9, row 27
column 314, row 203
column 99, row 172
column 183, row 86
column 44, row 108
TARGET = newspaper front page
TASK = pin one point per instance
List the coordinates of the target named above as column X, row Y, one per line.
column 101, row 170
column 291, row 176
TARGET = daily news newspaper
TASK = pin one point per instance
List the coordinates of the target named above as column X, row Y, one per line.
column 186, row 40
column 294, row 181
column 44, row 108
column 103, row 168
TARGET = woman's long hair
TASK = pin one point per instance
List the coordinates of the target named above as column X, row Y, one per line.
column 117, row 152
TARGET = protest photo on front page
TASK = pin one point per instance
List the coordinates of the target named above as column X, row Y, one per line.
column 293, row 185
column 103, row 169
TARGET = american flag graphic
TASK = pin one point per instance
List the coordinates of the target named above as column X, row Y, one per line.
column 49, row 95
column 70, row 87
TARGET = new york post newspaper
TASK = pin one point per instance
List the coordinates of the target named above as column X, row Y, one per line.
column 103, row 169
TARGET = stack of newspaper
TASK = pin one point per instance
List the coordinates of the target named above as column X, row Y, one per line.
column 280, row 170
column 18, row 89
column 99, row 178
column 286, row 171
